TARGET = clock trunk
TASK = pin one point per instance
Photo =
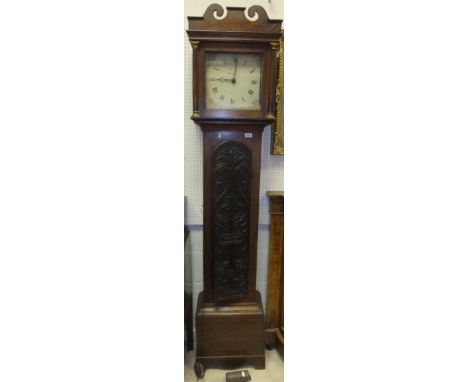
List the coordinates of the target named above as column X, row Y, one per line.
column 230, row 320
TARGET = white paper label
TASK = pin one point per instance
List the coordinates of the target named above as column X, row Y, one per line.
column 248, row 135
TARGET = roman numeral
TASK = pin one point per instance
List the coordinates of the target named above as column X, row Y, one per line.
column 215, row 90
column 250, row 91
column 221, row 98
column 253, row 70
column 232, row 101
column 254, row 82
column 243, row 99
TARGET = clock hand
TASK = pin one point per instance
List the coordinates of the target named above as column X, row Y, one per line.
column 235, row 70
column 220, row 79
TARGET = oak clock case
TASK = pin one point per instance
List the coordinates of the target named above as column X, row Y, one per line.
column 234, row 70
column 232, row 82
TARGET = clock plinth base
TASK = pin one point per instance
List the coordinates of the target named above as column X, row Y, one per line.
column 230, row 336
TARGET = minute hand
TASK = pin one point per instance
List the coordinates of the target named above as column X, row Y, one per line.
column 235, row 71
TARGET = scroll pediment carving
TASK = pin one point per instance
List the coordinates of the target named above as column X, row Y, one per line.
column 234, row 19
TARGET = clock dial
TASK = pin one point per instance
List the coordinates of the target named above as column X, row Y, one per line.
column 233, row 81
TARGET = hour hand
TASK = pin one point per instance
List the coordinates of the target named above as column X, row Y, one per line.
column 220, row 79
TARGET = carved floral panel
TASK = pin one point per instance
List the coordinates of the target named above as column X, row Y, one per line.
column 232, row 163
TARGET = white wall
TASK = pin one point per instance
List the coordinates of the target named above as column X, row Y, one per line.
column 271, row 177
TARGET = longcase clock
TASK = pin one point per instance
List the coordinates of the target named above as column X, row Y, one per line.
column 234, row 70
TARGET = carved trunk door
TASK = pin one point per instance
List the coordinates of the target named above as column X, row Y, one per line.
column 232, row 163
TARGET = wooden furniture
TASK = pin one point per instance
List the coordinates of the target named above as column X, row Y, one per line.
column 274, row 332
column 188, row 288
column 234, row 66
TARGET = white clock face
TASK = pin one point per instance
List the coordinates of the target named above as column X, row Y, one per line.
column 233, row 81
